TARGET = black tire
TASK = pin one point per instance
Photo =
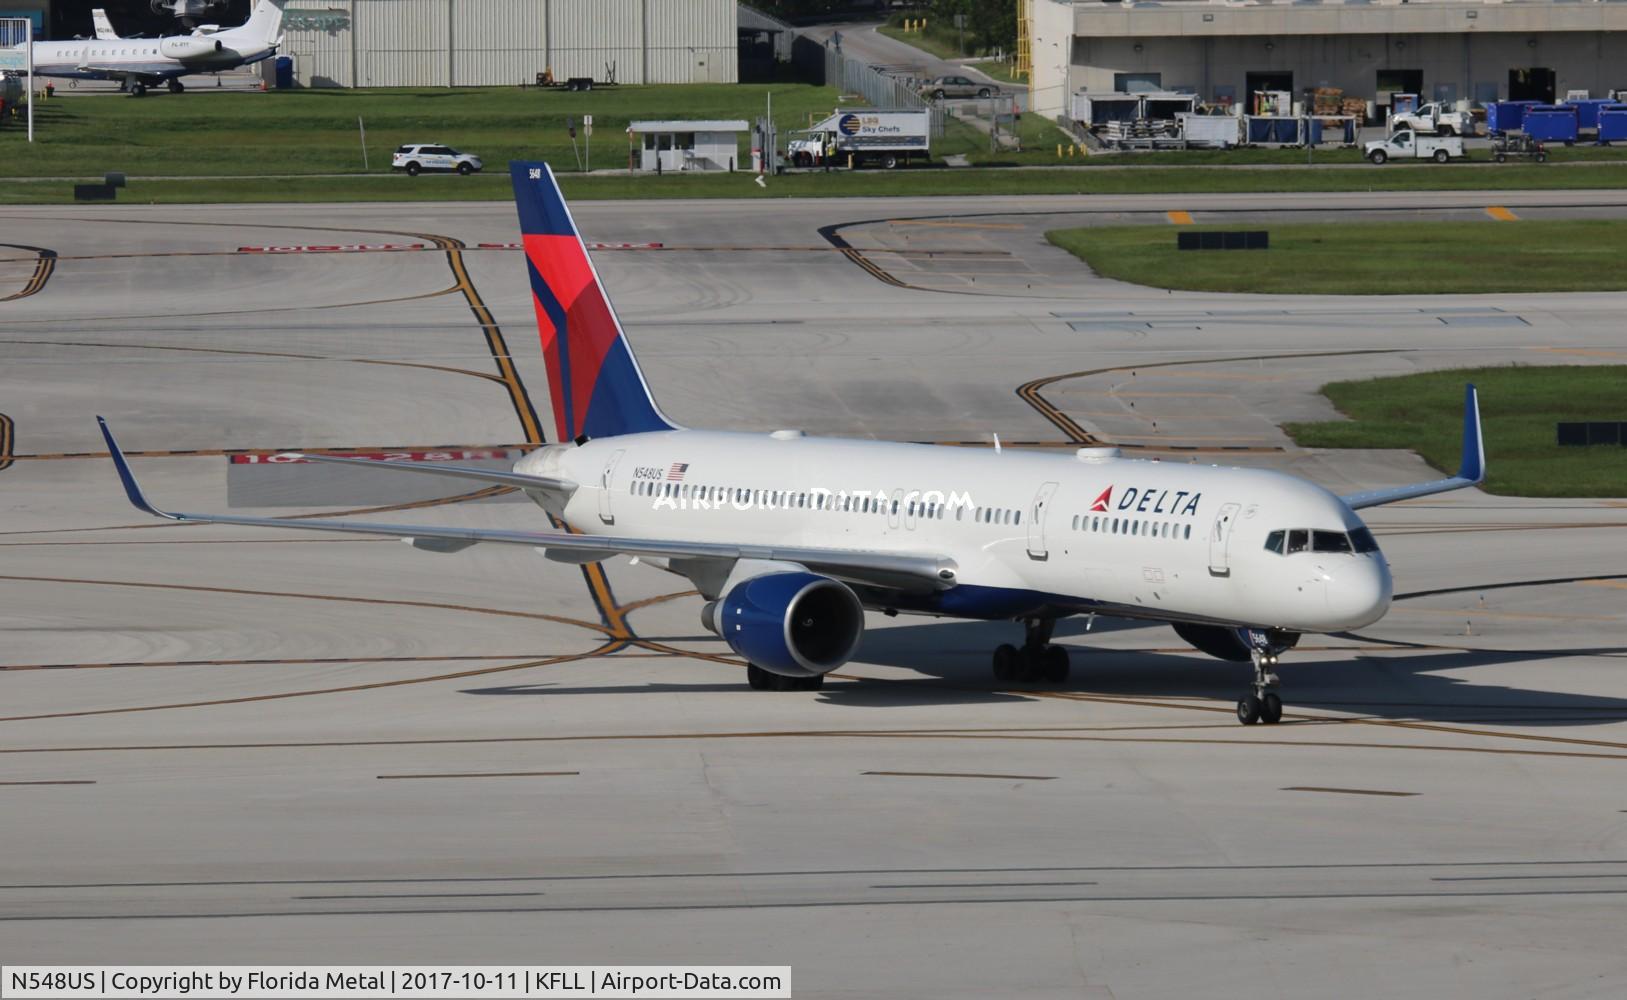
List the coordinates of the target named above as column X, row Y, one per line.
column 1441, row 156
column 1006, row 659
column 937, row 95
column 803, row 159
column 758, row 678
column 983, row 92
column 465, row 169
column 176, row 86
column 1054, row 664
column 1447, row 131
column 138, row 90
column 1248, row 710
column 811, row 683
column 587, row 84
column 413, row 169
column 890, row 161
column 1377, row 157
column 1500, row 158
column 1271, row 709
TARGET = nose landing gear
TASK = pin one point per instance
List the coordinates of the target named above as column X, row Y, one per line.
column 1262, row 704
column 1036, row 660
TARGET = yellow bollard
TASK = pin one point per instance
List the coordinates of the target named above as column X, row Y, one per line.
column 850, row 161
column 1059, row 151
column 1080, row 150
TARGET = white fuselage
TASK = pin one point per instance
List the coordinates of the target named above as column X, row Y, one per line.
column 1031, row 532
column 99, row 59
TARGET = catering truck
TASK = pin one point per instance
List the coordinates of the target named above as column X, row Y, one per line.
column 863, row 137
column 1409, row 145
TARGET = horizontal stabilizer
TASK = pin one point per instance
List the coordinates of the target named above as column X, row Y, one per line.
column 562, row 488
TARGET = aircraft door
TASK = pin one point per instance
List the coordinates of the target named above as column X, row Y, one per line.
column 606, row 479
column 1220, row 534
column 1036, row 522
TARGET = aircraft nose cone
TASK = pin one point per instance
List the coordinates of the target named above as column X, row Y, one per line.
column 1359, row 594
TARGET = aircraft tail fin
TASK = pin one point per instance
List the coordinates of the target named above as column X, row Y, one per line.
column 264, row 23
column 593, row 378
column 104, row 27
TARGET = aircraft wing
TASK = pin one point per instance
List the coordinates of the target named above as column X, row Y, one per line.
column 882, row 569
column 147, row 76
column 555, row 488
column 1471, row 468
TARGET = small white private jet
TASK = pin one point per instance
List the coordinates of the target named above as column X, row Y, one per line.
column 140, row 63
column 790, row 538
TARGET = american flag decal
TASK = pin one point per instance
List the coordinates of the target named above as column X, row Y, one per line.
column 676, row 473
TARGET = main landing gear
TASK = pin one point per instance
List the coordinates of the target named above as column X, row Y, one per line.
column 767, row 680
column 1037, row 660
column 175, row 86
column 1262, row 704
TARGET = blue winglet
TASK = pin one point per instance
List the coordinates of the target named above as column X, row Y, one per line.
column 131, row 489
column 1473, row 465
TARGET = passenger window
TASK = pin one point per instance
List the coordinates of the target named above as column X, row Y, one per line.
column 1329, row 541
column 1297, row 540
column 1188, row 531
column 1273, row 542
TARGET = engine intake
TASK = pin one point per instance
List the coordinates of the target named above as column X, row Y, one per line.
column 792, row 624
column 188, row 47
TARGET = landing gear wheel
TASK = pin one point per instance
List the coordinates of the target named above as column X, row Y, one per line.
column 176, row 87
column 1248, row 710
column 138, row 90
column 758, row 678
column 1006, row 660
column 1261, row 703
column 1054, row 664
column 812, row 683
column 1271, row 709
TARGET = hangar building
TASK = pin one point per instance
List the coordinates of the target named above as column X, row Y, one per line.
column 1451, row 50
column 460, row 43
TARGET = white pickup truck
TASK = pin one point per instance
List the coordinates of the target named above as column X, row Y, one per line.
column 1436, row 119
column 1409, row 145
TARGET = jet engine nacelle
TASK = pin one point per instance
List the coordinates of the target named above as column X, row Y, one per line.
column 1232, row 643
column 792, row 624
column 188, row 47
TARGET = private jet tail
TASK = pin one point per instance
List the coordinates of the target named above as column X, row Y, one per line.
column 264, row 24
column 595, row 383
column 104, row 27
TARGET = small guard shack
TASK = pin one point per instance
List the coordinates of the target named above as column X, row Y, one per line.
column 681, row 145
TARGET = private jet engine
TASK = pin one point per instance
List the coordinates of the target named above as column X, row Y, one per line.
column 792, row 628
column 188, row 47
column 1232, row 643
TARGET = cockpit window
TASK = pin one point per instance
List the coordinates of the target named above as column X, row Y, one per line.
column 1329, row 541
column 1273, row 542
column 1362, row 539
column 1298, row 540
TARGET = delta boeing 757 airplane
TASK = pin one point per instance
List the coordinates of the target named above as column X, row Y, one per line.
column 792, row 538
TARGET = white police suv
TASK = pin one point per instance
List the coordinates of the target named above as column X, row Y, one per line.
column 417, row 157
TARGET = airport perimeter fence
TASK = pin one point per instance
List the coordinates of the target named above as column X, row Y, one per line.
column 851, row 76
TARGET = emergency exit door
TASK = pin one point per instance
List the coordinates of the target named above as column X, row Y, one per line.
column 1220, row 534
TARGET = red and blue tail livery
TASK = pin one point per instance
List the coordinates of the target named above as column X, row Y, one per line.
column 595, row 383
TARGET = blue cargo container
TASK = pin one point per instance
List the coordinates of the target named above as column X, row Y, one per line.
column 1273, row 130
column 1587, row 112
column 1506, row 116
column 1551, row 123
column 1613, row 123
